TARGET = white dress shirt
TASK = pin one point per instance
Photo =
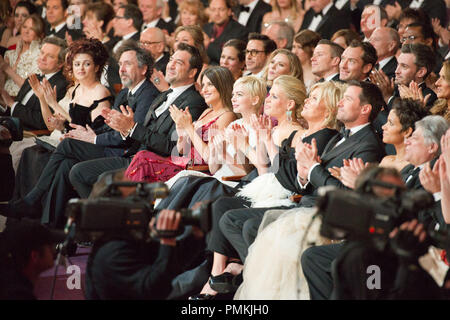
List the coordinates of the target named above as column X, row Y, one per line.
column 317, row 19
column 244, row 15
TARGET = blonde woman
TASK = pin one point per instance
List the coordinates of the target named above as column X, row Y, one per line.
column 282, row 62
column 276, row 250
column 284, row 10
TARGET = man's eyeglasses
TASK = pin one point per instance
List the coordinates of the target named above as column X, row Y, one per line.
column 119, row 17
column 253, row 53
column 147, row 43
column 410, row 38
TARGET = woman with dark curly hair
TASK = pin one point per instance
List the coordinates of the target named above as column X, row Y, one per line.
column 85, row 61
column 81, row 107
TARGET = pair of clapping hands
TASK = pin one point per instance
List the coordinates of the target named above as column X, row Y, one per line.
column 387, row 86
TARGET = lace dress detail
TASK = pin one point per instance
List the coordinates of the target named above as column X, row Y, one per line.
column 26, row 65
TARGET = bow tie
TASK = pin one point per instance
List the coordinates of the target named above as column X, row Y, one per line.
column 52, row 31
column 345, row 133
column 244, row 8
column 318, row 14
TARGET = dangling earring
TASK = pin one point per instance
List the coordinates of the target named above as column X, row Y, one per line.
column 289, row 115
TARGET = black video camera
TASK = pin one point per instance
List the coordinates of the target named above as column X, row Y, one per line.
column 15, row 129
column 110, row 216
column 354, row 216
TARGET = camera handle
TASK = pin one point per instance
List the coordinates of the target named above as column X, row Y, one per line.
column 63, row 256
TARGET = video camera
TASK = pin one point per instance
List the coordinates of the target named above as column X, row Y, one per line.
column 363, row 217
column 110, row 216
column 15, row 129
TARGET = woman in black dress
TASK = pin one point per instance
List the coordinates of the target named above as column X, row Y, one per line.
column 85, row 61
column 271, row 190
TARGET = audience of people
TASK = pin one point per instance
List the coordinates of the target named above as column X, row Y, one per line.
column 250, row 106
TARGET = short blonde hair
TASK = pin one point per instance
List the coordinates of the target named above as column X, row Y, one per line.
column 331, row 92
column 256, row 87
column 295, row 90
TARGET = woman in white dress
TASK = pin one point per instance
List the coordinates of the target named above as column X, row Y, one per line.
column 272, row 268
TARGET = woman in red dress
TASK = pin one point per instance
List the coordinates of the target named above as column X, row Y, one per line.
column 192, row 144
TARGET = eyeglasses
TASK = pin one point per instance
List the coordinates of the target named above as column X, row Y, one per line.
column 253, row 53
column 148, row 43
column 119, row 17
column 411, row 38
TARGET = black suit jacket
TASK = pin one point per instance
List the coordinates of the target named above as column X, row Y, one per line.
column 157, row 134
column 333, row 21
column 364, row 144
column 162, row 63
column 233, row 30
column 60, row 34
column 390, row 67
column 163, row 25
column 143, row 98
column 255, row 19
column 30, row 115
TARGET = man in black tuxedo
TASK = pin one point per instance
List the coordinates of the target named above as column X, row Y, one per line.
column 326, row 59
column 152, row 10
column 56, row 18
column 250, row 13
column 386, row 42
column 317, row 261
column 222, row 28
column 415, row 63
column 127, row 23
column 53, row 188
column 154, row 41
column 357, row 109
column 26, row 105
column 324, row 18
column 157, row 132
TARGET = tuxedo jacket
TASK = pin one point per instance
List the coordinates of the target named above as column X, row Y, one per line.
column 364, row 144
column 333, row 21
column 390, row 67
column 255, row 19
column 163, row 25
column 142, row 99
column 428, row 216
column 162, row 63
column 157, row 134
column 60, row 34
column 30, row 114
column 233, row 30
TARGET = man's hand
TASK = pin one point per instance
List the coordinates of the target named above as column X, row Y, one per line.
column 393, row 11
column 168, row 220
column 4, row 133
column 81, row 133
column 386, row 85
column 429, row 178
column 9, row 101
column 119, row 121
column 413, row 92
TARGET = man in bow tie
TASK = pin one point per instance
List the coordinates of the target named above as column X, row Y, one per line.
column 26, row 105
column 56, row 18
column 324, row 18
column 358, row 108
column 250, row 13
